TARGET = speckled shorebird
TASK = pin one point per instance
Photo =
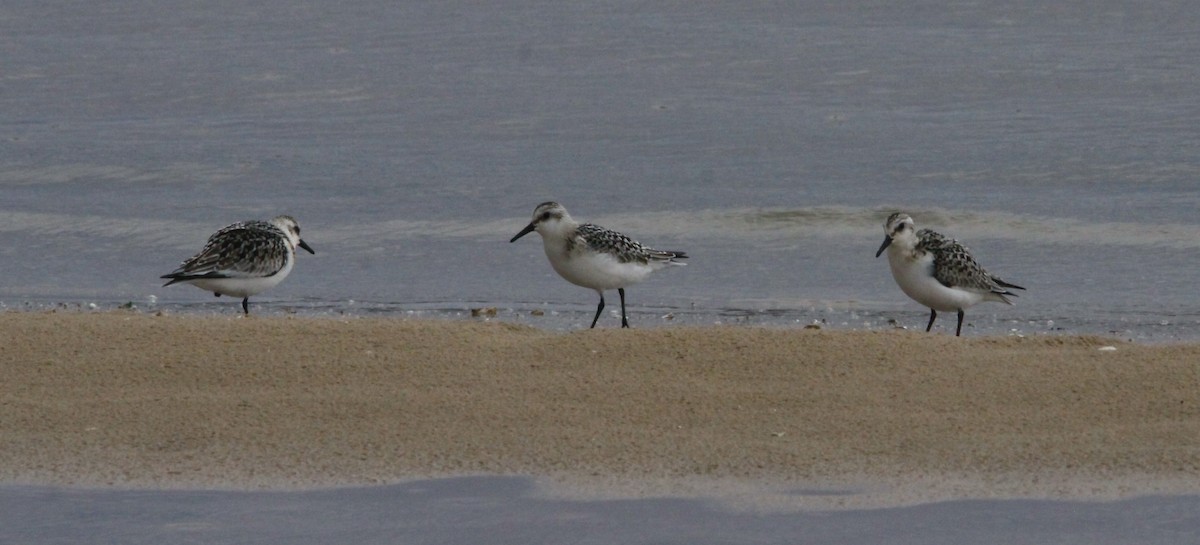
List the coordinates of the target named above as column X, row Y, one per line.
column 594, row 257
column 243, row 259
column 938, row 272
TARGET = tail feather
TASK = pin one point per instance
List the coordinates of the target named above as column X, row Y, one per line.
column 177, row 277
column 1004, row 284
column 670, row 256
column 173, row 278
column 999, row 296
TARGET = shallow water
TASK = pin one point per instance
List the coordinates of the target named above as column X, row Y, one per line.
column 412, row 139
column 508, row 510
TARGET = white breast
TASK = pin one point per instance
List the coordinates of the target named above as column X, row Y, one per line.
column 915, row 277
column 591, row 269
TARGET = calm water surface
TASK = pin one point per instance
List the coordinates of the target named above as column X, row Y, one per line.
column 413, row 139
column 508, row 510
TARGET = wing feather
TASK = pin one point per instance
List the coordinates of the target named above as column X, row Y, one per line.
column 955, row 267
column 620, row 246
column 243, row 250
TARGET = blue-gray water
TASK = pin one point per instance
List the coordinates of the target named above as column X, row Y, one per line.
column 499, row 510
column 1059, row 140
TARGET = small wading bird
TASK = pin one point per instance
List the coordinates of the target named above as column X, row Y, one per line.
column 594, row 257
column 243, row 259
column 938, row 272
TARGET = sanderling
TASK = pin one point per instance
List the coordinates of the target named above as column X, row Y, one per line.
column 243, row 259
column 594, row 257
column 938, row 272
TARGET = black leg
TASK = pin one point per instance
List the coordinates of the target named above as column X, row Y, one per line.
column 624, row 320
column 932, row 317
column 246, row 305
column 599, row 308
column 958, row 332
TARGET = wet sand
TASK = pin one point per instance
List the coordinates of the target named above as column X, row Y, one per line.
column 137, row 400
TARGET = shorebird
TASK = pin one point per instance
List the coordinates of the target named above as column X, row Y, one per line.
column 938, row 272
column 594, row 257
column 243, row 259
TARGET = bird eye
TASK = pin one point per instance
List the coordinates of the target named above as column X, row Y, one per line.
column 545, row 216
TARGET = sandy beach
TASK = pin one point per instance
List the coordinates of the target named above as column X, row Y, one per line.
column 133, row 399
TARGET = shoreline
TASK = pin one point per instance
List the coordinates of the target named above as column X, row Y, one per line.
column 124, row 399
column 573, row 315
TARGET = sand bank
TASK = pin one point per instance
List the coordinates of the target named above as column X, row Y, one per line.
column 133, row 399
